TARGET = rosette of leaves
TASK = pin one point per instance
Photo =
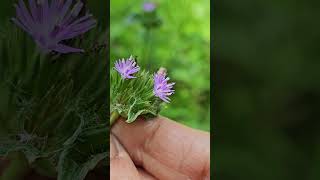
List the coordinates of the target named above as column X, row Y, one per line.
column 134, row 97
column 53, row 107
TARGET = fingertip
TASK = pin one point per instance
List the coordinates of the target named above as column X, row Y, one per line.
column 121, row 165
column 144, row 175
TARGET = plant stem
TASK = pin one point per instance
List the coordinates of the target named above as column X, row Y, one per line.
column 147, row 46
column 42, row 61
column 17, row 169
column 114, row 116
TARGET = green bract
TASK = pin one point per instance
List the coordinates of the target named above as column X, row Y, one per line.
column 131, row 98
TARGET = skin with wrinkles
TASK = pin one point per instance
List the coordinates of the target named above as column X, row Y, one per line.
column 158, row 149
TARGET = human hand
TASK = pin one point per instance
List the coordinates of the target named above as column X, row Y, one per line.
column 158, row 149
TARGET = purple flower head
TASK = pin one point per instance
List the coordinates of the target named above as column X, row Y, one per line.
column 149, row 7
column 162, row 88
column 127, row 67
column 51, row 23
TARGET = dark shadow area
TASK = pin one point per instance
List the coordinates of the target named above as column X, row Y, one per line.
column 267, row 90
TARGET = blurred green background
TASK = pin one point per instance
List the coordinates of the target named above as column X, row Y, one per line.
column 181, row 43
column 267, row 100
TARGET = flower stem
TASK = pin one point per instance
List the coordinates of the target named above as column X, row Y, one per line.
column 147, row 46
column 114, row 116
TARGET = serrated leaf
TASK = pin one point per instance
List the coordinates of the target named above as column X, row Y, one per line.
column 71, row 170
column 134, row 97
column 54, row 98
column 30, row 152
column 75, row 135
column 73, row 166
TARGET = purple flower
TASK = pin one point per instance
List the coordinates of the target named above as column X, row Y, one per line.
column 51, row 23
column 149, row 6
column 127, row 67
column 162, row 88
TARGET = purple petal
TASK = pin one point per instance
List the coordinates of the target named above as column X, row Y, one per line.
column 25, row 13
column 20, row 25
column 50, row 22
column 148, row 7
column 161, row 87
column 66, row 49
column 40, row 14
column 65, row 9
column 81, row 20
column 67, row 34
column 45, row 6
column 72, row 14
column 33, row 10
column 21, row 17
column 126, row 68
column 84, row 25
column 54, row 4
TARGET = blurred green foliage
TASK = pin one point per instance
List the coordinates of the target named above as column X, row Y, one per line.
column 54, row 107
column 267, row 90
column 181, row 43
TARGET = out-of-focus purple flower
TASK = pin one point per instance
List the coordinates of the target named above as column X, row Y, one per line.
column 149, row 6
column 51, row 23
column 127, row 67
column 162, row 88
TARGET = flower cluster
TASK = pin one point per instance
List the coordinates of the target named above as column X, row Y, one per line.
column 51, row 23
column 127, row 68
column 161, row 88
column 149, row 7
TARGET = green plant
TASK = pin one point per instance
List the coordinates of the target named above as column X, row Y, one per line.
column 53, row 107
column 132, row 98
column 181, row 43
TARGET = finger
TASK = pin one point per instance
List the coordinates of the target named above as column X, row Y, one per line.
column 144, row 175
column 166, row 149
column 121, row 166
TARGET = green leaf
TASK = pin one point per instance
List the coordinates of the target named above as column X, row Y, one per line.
column 134, row 97
column 71, row 170
column 30, row 152
column 94, row 146
column 75, row 135
column 57, row 101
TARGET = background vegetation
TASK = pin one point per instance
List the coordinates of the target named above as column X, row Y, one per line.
column 180, row 43
column 53, row 107
column 267, row 90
